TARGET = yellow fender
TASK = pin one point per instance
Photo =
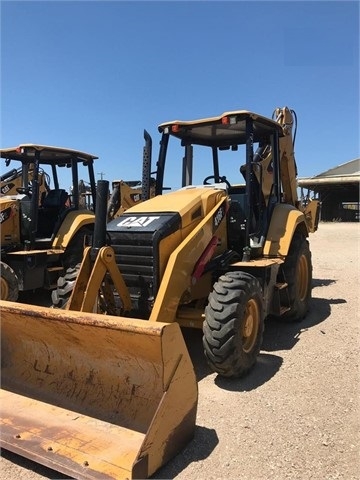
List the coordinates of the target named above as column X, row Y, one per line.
column 284, row 221
column 73, row 221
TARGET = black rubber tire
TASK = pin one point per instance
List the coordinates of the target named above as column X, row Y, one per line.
column 234, row 324
column 9, row 283
column 72, row 259
column 64, row 288
column 297, row 272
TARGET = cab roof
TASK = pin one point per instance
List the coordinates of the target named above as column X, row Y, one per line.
column 223, row 131
column 48, row 155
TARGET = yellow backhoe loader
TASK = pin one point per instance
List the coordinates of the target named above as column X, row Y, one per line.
column 104, row 388
column 125, row 194
column 42, row 226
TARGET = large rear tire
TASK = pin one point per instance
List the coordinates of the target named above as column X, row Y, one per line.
column 9, row 283
column 234, row 324
column 297, row 272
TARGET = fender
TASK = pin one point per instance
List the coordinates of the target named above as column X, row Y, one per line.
column 312, row 215
column 73, row 221
column 285, row 220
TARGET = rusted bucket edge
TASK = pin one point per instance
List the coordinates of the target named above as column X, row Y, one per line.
column 82, row 318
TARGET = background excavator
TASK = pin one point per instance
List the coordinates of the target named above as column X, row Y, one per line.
column 219, row 256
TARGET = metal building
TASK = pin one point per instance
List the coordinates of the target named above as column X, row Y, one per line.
column 338, row 191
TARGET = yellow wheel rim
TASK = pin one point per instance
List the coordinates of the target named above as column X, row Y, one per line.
column 251, row 325
column 302, row 278
column 4, row 289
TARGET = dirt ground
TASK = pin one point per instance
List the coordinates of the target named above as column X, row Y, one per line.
column 296, row 415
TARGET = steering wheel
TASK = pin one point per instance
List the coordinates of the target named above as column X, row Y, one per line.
column 212, row 177
column 24, row 190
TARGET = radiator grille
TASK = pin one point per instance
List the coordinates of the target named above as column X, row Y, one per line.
column 137, row 256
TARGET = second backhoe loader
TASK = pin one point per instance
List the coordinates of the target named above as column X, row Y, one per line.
column 104, row 387
column 42, row 226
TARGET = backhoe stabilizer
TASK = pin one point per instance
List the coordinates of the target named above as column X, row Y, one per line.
column 94, row 396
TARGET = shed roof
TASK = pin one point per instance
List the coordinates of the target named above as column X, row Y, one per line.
column 345, row 169
column 348, row 172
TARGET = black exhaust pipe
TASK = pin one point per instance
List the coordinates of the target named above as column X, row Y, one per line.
column 99, row 238
column 146, row 171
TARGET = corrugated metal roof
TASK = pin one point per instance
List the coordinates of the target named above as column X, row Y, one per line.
column 343, row 170
column 346, row 173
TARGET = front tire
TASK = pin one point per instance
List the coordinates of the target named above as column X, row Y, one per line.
column 234, row 324
column 65, row 285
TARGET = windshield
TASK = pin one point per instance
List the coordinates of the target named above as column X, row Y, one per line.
column 201, row 167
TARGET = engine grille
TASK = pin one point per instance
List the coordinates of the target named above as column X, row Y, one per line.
column 135, row 241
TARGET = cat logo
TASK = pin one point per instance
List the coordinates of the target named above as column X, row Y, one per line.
column 136, row 197
column 6, row 188
column 5, row 214
column 136, row 221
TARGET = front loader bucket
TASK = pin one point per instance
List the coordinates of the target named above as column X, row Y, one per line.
column 94, row 396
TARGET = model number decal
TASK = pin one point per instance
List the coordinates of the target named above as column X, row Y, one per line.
column 218, row 216
column 136, row 221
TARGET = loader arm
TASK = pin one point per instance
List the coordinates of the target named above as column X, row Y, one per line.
column 91, row 279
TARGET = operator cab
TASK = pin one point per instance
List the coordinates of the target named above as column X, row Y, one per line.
column 242, row 151
column 43, row 203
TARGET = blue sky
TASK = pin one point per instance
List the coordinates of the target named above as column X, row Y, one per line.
column 91, row 75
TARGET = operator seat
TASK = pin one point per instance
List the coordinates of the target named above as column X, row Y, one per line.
column 54, row 204
column 56, row 199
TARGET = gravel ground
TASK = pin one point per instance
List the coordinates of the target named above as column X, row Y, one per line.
column 296, row 415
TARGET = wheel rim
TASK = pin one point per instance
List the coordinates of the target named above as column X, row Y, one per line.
column 302, row 278
column 251, row 325
column 4, row 289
